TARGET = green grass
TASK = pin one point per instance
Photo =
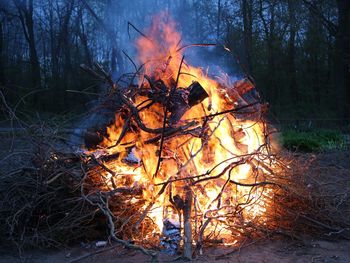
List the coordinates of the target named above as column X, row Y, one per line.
column 313, row 141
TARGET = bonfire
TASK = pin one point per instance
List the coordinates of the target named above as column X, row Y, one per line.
column 187, row 159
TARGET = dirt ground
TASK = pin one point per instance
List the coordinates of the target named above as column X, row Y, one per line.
column 328, row 167
column 273, row 251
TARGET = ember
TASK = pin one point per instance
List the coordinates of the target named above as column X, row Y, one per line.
column 184, row 147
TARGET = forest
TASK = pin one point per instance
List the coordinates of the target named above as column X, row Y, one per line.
column 297, row 51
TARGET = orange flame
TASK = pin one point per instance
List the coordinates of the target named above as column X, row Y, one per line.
column 230, row 149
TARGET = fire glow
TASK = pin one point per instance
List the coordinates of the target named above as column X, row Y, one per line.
column 208, row 165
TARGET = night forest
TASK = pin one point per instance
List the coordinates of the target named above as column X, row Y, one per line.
column 297, row 51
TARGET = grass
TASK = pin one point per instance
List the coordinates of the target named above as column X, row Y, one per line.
column 313, row 140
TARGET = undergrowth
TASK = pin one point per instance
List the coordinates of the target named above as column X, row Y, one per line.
column 313, row 140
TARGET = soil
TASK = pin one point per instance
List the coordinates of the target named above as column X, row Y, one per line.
column 272, row 251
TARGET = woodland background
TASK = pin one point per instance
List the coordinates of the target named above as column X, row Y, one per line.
column 298, row 51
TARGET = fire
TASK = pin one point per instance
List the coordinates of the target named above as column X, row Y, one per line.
column 221, row 158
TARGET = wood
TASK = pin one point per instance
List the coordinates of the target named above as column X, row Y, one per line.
column 183, row 99
column 187, row 224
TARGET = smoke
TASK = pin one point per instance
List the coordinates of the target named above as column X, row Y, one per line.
column 129, row 19
column 188, row 16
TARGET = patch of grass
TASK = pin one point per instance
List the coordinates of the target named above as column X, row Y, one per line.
column 311, row 141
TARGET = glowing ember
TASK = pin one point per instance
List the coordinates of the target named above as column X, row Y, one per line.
column 222, row 156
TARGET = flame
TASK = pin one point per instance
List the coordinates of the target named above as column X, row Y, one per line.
column 233, row 148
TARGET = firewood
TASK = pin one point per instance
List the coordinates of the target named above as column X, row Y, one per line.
column 243, row 86
column 187, row 224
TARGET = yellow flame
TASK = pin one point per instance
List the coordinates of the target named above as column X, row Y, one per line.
column 186, row 156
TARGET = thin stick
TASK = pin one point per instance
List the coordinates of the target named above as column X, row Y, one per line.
column 187, row 224
column 137, row 30
column 165, row 117
column 231, row 110
column 196, row 45
column 130, row 60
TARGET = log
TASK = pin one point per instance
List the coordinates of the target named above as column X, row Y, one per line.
column 187, row 224
column 243, row 86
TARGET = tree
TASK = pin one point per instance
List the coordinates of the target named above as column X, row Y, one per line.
column 291, row 67
column 2, row 70
column 342, row 57
column 341, row 32
column 247, row 14
column 25, row 13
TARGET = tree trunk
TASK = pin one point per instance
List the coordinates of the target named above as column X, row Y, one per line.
column 25, row 11
column 218, row 21
column 247, row 6
column 115, row 54
column 2, row 69
column 291, row 54
column 65, row 38
column 83, row 37
column 34, row 60
column 114, row 59
column 271, row 60
column 342, row 58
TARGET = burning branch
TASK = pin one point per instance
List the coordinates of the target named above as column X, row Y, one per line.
column 187, row 213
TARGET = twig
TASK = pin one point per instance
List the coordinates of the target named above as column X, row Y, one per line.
column 137, row 30
column 165, row 117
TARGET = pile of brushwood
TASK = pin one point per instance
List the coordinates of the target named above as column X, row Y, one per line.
column 47, row 198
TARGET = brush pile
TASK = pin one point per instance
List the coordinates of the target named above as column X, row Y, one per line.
column 181, row 161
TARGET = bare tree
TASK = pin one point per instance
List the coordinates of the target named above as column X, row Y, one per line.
column 341, row 32
column 247, row 14
column 267, row 14
column 342, row 57
column 2, row 71
column 25, row 14
column 116, row 58
column 291, row 51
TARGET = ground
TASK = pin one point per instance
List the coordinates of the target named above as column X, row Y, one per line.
column 272, row 251
column 328, row 168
